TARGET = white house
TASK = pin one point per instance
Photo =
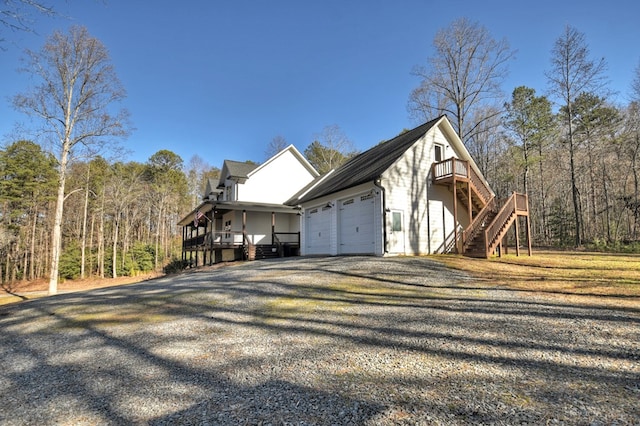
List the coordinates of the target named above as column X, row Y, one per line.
column 418, row 193
column 244, row 214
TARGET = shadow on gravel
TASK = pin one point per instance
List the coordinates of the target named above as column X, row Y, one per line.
column 317, row 341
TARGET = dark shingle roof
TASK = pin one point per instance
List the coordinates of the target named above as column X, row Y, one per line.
column 366, row 166
column 239, row 170
column 235, row 170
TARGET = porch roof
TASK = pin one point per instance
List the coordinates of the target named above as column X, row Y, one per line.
column 226, row 206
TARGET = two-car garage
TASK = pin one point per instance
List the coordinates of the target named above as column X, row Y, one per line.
column 353, row 220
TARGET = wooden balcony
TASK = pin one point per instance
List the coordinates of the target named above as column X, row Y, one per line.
column 470, row 187
column 489, row 220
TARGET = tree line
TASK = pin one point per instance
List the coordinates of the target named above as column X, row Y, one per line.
column 120, row 217
column 69, row 212
column 573, row 150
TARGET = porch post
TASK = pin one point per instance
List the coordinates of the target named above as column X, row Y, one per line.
column 244, row 226
column 517, row 236
column 183, row 255
column 528, row 233
column 455, row 213
column 273, row 227
column 197, row 235
column 191, row 247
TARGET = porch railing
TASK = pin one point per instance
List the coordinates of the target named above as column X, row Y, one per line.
column 212, row 239
column 224, row 239
column 286, row 238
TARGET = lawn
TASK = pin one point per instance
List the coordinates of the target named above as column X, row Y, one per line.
column 616, row 276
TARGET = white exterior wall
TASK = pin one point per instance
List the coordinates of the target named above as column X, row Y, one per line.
column 259, row 225
column 276, row 181
column 427, row 208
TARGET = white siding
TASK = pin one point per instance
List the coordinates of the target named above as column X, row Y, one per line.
column 276, row 182
column 259, row 227
column 428, row 208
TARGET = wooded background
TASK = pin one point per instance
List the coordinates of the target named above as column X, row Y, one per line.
column 572, row 150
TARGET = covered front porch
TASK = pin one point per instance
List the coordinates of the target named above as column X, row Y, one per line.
column 223, row 231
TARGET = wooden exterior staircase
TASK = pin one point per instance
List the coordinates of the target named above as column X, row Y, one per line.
column 490, row 220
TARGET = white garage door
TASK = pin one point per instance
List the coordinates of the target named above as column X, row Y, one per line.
column 355, row 219
column 318, row 228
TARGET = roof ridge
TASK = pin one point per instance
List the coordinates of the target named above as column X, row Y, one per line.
column 370, row 164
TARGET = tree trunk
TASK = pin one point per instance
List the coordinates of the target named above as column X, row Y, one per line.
column 574, row 187
column 114, row 259
column 84, row 226
column 93, row 220
column 157, row 236
column 101, row 239
column 56, row 235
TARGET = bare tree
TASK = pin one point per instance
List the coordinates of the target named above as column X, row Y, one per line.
column 18, row 15
column 330, row 149
column 73, row 103
column 465, row 74
column 195, row 171
column 572, row 73
column 635, row 85
column 277, row 144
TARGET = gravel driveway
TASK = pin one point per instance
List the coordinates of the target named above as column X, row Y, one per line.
column 347, row 340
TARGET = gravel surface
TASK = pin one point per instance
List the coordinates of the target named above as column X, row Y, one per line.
column 302, row 341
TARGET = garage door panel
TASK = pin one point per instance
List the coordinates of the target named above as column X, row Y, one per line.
column 318, row 229
column 357, row 225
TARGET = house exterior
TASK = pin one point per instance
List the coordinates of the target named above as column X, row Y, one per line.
column 418, row 193
column 243, row 215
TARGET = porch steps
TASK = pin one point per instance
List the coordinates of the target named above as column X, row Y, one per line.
column 271, row 251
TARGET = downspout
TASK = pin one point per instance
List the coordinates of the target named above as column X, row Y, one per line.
column 378, row 185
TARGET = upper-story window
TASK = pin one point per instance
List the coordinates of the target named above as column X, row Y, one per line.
column 438, row 153
column 228, row 193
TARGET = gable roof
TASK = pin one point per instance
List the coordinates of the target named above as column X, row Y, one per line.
column 235, row 170
column 296, row 154
column 365, row 167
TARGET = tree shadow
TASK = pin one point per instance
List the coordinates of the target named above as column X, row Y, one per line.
column 175, row 350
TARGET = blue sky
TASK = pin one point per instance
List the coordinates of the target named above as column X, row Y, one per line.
column 221, row 79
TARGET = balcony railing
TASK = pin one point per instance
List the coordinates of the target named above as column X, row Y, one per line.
column 456, row 169
column 448, row 168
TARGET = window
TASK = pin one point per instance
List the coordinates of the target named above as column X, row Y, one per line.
column 227, row 229
column 438, row 153
column 396, row 225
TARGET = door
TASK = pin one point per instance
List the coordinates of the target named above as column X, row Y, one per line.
column 318, row 228
column 356, row 231
column 395, row 225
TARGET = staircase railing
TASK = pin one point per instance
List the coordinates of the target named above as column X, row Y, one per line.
column 472, row 231
column 481, row 187
column 495, row 231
